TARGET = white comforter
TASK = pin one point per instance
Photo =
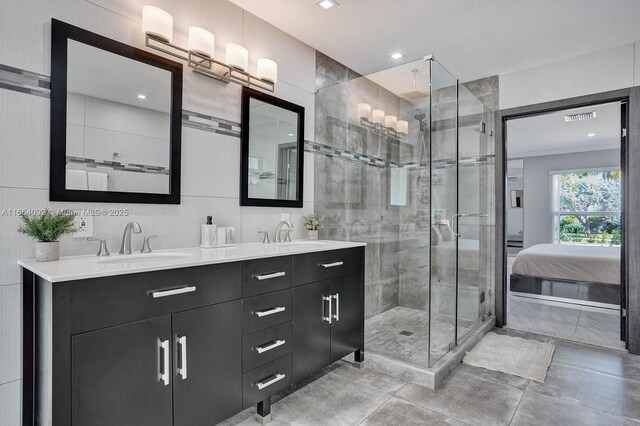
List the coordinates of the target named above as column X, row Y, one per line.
column 574, row 263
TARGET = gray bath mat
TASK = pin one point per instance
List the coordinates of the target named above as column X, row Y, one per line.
column 512, row 355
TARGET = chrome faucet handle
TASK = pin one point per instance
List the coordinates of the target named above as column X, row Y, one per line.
column 287, row 235
column 146, row 248
column 265, row 237
column 103, row 251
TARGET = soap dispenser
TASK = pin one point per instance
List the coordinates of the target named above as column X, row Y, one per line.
column 209, row 233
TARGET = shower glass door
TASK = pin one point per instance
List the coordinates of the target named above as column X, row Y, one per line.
column 444, row 203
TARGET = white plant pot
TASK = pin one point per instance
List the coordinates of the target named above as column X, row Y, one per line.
column 312, row 235
column 47, row 252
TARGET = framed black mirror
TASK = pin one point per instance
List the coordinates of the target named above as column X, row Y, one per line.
column 272, row 157
column 116, row 117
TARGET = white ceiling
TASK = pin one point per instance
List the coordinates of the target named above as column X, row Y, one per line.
column 472, row 38
column 549, row 134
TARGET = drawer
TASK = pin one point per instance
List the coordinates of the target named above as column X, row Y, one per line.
column 264, row 381
column 264, row 346
column 319, row 266
column 107, row 301
column 265, row 311
column 265, row 275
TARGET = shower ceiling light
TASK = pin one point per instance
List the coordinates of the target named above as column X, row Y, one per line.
column 327, row 4
column 591, row 135
column 396, row 55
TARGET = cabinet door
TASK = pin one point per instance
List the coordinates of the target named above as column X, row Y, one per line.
column 116, row 375
column 207, row 364
column 311, row 333
column 346, row 326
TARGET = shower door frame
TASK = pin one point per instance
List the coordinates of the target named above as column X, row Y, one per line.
column 630, row 210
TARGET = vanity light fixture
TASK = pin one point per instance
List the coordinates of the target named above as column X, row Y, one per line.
column 327, row 4
column 402, row 127
column 376, row 120
column 157, row 27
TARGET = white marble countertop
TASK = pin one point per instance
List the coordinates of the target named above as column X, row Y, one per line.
column 91, row 266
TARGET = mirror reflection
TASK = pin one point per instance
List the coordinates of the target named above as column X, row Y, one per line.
column 273, row 152
column 118, row 123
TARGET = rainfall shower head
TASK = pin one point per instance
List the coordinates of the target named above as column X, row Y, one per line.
column 422, row 119
column 415, row 94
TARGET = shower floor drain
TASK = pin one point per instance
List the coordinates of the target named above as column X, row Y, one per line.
column 406, row 333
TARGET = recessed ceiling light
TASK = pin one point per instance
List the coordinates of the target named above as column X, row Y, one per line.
column 396, row 55
column 141, row 96
column 290, row 134
column 591, row 135
column 327, row 4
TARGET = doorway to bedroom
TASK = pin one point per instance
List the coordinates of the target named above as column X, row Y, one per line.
column 564, row 225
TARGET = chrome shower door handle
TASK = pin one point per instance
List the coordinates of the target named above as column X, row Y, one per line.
column 454, row 224
column 163, row 362
column 182, row 367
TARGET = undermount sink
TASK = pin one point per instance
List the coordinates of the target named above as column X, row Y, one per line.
column 142, row 258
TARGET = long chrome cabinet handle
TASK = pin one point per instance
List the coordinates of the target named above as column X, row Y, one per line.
column 332, row 264
column 163, row 374
column 164, row 293
column 276, row 378
column 330, row 317
column 262, row 349
column 268, row 312
column 182, row 368
column 270, row 276
column 336, row 316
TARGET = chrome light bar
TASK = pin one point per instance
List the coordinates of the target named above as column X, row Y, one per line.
column 206, row 66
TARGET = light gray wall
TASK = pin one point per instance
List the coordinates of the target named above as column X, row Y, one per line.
column 537, row 188
column 210, row 161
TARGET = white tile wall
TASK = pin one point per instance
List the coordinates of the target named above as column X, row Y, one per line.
column 596, row 72
column 10, row 406
column 210, row 162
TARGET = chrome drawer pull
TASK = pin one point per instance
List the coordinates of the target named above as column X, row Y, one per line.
column 163, row 375
column 276, row 378
column 269, row 276
column 182, row 369
column 262, row 349
column 330, row 317
column 164, row 293
column 268, row 312
column 336, row 316
column 332, row 264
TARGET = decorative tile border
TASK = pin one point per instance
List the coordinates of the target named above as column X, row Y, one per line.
column 24, row 81
column 40, row 85
column 116, row 165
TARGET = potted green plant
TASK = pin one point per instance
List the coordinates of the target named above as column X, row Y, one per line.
column 313, row 223
column 46, row 228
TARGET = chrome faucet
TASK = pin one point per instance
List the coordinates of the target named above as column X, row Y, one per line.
column 279, row 230
column 125, row 247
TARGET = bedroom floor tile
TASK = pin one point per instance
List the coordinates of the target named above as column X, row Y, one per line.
column 544, row 318
column 600, row 327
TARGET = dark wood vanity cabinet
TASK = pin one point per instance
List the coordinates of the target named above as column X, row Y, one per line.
column 190, row 346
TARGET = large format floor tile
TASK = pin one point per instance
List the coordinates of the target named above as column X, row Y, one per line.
column 616, row 363
column 588, row 388
column 397, row 412
column 468, row 397
column 537, row 409
column 544, row 318
column 603, row 326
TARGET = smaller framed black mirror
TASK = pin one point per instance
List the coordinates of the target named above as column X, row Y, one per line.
column 272, row 155
column 116, row 121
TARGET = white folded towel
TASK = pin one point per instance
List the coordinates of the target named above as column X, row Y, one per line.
column 98, row 181
column 76, row 180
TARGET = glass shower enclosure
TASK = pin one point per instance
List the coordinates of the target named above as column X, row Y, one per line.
column 404, row 162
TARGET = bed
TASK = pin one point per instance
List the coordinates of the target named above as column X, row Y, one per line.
column 589, row 273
